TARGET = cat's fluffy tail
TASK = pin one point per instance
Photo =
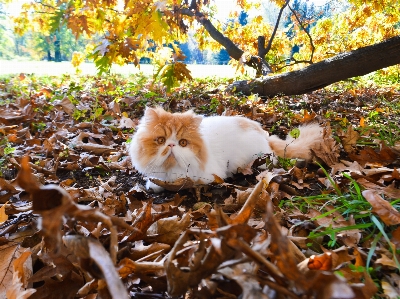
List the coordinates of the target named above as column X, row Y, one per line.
column 310, row 136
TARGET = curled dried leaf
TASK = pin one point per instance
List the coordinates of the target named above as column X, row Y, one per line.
column 321, row 262
column 179, row 184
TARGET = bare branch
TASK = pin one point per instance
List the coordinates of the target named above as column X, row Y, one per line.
column 306, row 31
column 268, row 47
column 233, row 50
column 260, row 46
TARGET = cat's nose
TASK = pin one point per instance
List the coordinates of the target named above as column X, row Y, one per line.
column 171, row 145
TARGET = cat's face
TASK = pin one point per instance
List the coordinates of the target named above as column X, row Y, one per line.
column 168, row 141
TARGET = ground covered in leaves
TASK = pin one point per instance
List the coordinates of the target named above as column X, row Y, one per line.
column 76, row 221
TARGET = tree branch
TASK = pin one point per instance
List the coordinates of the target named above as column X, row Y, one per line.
column 233, row 50
column 308, row 34
column 268, row 47
column 318, row 75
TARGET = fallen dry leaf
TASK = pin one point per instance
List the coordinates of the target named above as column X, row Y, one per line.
column 87, row 248
column 349, row 139
column 205, row 257
column 396, row 237
column 369, row 156
column 347, row 166
column 167, row 230
column 389, row 290
column 244, row 214
column 281, row 250
column 126, row 123
column 65, row 104
column 3, row 215
column 382, row 208
column 179, row 184
column 320, row 262
column 11, row 273
column 7, row 190
column 385, row 261
column 91, row 147
column 245, row 276
column 22, row 270
column 138, row 230
column 128, row 267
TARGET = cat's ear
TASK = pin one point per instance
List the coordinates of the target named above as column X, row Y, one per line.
column 195, row 119
column 150, row 115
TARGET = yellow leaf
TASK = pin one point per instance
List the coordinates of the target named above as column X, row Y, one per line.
column 77, row 59
column 362, row 122
column 217, row 179
column 258, row 19
column 3, row 215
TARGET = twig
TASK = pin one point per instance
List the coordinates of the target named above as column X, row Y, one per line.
column 272, row 270
column 306, row 31
column 278, row 288
column 268, row 47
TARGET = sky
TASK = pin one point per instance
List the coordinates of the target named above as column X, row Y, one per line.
column 14, row 7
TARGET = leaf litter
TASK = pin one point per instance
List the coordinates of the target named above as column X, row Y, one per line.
column 76, row 221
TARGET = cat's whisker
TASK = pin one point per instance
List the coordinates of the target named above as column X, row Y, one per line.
column 178, row 155
column 150, row 167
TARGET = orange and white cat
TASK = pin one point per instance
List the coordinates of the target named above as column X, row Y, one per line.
column 169, row 146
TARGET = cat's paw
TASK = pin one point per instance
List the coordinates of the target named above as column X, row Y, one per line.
column 155, row 188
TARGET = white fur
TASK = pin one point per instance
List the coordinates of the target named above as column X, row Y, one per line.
column 229, row 143
column 230, row 146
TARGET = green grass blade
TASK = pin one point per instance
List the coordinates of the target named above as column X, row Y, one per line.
column 382, row 231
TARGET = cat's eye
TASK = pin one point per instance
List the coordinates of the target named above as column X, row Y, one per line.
column 160, row 140
column 183, row 142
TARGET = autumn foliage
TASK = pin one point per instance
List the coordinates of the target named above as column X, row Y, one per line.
column 125, row 31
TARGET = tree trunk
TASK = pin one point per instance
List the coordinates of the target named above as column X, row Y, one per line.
column 57, row 51
column 343, row 66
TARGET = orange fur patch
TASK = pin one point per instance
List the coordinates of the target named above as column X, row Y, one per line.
column 170, row 162
column 165, row 151
column 247, row 124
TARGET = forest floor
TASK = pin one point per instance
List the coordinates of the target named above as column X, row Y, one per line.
column 76, row 221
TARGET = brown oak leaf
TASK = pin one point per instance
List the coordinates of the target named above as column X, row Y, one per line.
column 349, row 139
column 368, row 156
column 382, row 208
